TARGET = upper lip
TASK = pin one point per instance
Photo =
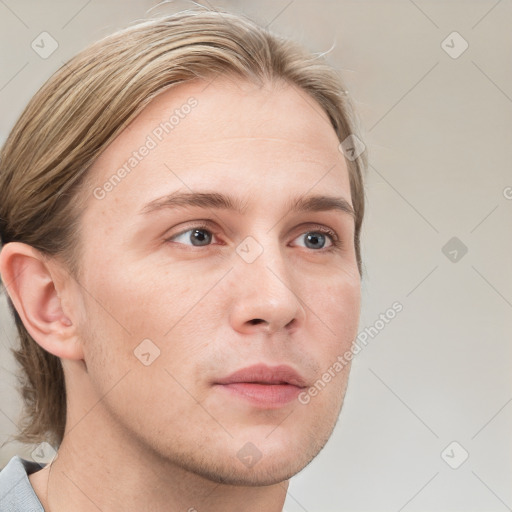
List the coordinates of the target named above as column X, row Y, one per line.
column 263, row 374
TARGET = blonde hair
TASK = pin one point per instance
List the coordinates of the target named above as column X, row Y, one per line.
column 79, row 111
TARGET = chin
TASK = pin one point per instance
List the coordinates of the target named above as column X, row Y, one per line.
column 264, row 473
column 279, row 459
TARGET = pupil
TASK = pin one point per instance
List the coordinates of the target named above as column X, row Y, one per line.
column 199, row 235
column 315, row 239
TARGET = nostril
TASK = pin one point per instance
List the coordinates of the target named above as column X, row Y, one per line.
column 255, row 321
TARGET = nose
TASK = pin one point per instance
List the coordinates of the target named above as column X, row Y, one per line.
column 265, row 295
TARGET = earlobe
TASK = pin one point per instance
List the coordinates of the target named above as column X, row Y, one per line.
column 36, row 294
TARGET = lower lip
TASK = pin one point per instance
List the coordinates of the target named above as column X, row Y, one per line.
column 270, row 396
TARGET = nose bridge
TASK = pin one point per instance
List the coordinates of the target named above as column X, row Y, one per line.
column 263, row 259
column 265, row 288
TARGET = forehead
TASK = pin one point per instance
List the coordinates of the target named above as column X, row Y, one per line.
column 222, row 134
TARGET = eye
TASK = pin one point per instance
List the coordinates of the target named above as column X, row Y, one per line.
column 316, row 239
column 198, row 236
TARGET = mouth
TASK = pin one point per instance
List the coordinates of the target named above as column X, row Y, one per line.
column 264, row 386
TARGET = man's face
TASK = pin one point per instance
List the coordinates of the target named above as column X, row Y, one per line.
column 263, row 286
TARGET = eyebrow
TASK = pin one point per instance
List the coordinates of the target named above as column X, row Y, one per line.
column 216, row 200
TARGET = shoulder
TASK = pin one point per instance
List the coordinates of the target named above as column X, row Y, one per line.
column 16, row 492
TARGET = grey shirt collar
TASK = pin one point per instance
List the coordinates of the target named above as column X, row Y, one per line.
column 16, row 492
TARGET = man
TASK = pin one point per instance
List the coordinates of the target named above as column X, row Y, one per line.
column 180, row 238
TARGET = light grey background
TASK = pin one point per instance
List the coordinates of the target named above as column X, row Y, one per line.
column 438, row 132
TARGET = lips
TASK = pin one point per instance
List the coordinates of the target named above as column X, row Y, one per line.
column 263, row 374
column 263, row 386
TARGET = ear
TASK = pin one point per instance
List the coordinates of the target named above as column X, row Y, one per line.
column 36, row 287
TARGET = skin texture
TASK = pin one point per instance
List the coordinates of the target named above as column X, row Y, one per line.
column 162, row 436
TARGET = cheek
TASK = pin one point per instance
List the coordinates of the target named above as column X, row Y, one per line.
column 337, row 305
column 135, row 310
column 143, row 299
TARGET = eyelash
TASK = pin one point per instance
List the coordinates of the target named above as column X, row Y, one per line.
column 335, row 240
